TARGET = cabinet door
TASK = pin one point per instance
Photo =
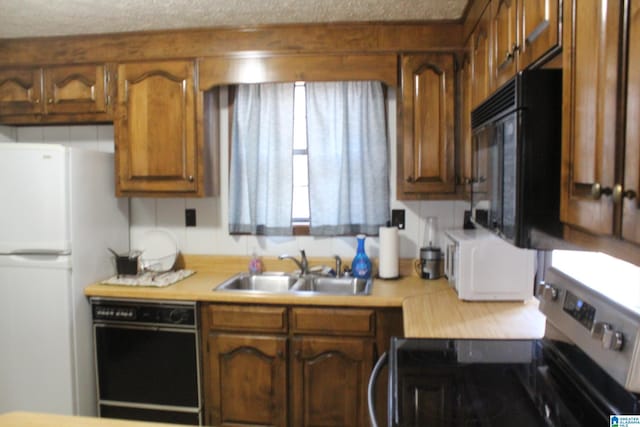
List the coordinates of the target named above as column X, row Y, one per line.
column 329, row 381
column 247, row 380
column 426, row 158
column 20, row 91
column 631, row 188
column 539, row 29
column 481, row 59
column 505, row 43
column 76, row 89
column 590, row 80
column 155, row 128
column 466, row 148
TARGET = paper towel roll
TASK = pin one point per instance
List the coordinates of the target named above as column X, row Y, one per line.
column 389, row 251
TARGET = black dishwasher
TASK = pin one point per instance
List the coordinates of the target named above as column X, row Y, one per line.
column 147, row 360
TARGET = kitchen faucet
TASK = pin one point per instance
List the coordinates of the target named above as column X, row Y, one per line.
column 303, row 264
column 338, row 265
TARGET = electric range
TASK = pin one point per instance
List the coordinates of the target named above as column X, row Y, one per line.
column 583, row 371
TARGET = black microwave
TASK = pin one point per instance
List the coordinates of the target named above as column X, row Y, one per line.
column 516, row 137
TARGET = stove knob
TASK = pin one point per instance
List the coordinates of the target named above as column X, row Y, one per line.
column 550, row 293
column 597, row 331
column 612, row 340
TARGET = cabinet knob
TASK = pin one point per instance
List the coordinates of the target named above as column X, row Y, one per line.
column 36, row 101
column 190, row 178
column 508, row 56
column 619, row 193
column 597, row 190
column 50, row 100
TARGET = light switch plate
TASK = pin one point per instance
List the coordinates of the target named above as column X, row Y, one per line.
column 190, row 217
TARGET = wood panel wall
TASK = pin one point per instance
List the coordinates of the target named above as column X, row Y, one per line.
column 272, row 39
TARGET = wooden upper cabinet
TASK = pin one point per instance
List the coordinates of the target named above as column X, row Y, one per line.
column 426, row 158
column 480, row 54
column 20, row 91
column 590, row 88
column 247, row 380
column 630, row 190
column 329, row 381
column 524, row 32
column 76, row 89
column 539, row 30
column 56, row 94
column 505, row 40
column 157, row 146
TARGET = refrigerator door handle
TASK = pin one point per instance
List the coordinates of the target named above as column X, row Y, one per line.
column 38, row 252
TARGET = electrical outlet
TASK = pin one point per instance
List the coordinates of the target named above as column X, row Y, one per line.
column 190, row 217
column 397, row 218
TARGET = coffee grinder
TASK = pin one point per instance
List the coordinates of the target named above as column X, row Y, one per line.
column 430, row 264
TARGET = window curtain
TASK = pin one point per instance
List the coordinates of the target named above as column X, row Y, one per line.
column 348, row 158
column 261, row 169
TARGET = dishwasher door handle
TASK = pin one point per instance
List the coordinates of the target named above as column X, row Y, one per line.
column 373, row 379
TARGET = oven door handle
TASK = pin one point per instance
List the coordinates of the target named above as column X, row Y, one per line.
column 373, row 379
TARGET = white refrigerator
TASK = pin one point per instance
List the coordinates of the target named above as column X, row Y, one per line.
column 58, row 216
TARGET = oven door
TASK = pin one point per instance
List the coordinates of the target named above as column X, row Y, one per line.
column 148, row 373
column 440, row 382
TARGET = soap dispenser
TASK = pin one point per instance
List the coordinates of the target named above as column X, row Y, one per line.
column 361, row 265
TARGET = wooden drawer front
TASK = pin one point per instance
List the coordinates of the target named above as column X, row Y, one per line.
column 329, row 321
column 243, row 317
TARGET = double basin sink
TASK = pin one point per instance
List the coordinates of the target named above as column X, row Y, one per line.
column 285, row 283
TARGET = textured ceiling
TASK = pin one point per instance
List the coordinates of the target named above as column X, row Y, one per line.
column 37, row 18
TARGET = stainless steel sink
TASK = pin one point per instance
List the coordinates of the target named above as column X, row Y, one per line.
column 333, row 285
column 294, row 284
column 265, row 282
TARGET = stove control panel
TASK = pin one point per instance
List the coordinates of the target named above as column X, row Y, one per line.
column 607, row 331
column 579, row 309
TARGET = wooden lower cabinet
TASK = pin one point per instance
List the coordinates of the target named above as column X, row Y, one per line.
column 247, row 380
column 329, row 381
column 302, row 368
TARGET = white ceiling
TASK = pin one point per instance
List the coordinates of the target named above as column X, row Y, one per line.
column 39, row 18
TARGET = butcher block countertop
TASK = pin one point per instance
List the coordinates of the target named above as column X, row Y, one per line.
column 431, row 308
column 443, row 315
column 31, row 419
column 211, row 271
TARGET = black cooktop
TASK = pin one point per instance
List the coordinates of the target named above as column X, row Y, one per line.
column 498, row 383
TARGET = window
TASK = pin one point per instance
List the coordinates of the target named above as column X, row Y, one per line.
column 312, row 154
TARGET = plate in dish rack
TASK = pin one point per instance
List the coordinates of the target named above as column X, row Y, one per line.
column 159, row 251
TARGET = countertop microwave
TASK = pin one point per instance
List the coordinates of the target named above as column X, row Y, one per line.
column 480, row 266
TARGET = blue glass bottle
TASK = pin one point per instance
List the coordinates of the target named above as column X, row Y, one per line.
column 361, row 265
